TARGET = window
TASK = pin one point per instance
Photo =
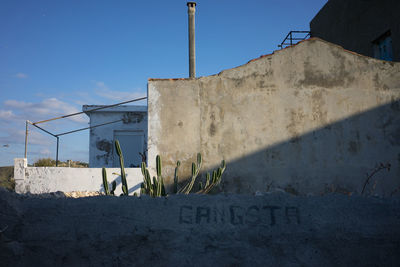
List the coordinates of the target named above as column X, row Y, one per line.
column 383, row 47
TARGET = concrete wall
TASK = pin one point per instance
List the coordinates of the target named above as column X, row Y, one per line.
column 311, row 118
column 356, row 24
column 101, row 140
column 223, row 230
column 38, row 180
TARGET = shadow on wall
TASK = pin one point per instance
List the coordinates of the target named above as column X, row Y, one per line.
column 334, row 158
column 131, row 189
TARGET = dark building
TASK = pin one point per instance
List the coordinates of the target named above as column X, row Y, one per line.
column 368, row 27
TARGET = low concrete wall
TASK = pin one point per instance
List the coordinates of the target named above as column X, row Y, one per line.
column 225, row 230
column 38, row 180
column 311, row 118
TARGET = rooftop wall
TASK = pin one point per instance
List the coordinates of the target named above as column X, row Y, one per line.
column 308, row 119
column 356, row 24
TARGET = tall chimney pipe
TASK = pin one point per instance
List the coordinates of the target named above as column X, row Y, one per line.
column 192, row 50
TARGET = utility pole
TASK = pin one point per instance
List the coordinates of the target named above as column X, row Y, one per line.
column 192, row 49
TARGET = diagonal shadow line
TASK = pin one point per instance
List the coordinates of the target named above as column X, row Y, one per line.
column 333, row 158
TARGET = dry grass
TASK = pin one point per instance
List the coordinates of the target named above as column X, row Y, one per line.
column 7, row 177
column 48, row 162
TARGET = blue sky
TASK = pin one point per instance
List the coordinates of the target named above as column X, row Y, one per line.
column 56, row 56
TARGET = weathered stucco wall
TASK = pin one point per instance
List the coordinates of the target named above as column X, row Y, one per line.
column 101, row 141
column 38, row 180
column 223, row 230
column 310, row 118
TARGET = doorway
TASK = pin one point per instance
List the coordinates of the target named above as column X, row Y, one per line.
column 131, row 143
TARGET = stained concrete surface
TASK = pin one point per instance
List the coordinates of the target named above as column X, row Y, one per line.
column 276, row 229
column 308, row 117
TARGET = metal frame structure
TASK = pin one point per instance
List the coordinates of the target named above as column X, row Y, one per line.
column 57, row 136
column 291, row 36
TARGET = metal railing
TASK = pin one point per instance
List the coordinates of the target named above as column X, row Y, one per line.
column 293, row 37
column 57, row 136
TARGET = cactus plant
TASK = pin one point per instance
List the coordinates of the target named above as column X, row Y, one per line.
column 215, row 180
column 175, row 189
column 201, row 186
column 208, row 179
column 155, row 187
column 105, row 182
column 146, row 186
column 195, row 171
column 158, row 165
column 121, row 163
column 160, row 180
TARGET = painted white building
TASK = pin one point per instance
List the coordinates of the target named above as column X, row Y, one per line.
column 127, row 124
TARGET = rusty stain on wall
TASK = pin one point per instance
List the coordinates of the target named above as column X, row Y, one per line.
column 132, row 117
column 104, row 145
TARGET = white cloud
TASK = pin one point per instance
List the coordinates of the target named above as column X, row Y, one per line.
column 21, row 75
column 7, row 115
column 16, row 135
column 46, row 109
column 13, row 115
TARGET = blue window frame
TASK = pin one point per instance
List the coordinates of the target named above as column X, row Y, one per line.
column 383, row 47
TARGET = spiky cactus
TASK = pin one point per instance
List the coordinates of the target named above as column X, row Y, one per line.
column 160, row 180
column 178, row 163
column 146, row 186
column 158, row 165
column 215, row 180
column 195, row 171
column 121, row 163
column 105, row 182
column 155, row 187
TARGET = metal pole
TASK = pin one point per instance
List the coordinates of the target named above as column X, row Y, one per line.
column 77, row 113
column 192, row 51
column 58, row 139
column 43, row 129
column 26, row 139
column 291, row 38
column 86, row 128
